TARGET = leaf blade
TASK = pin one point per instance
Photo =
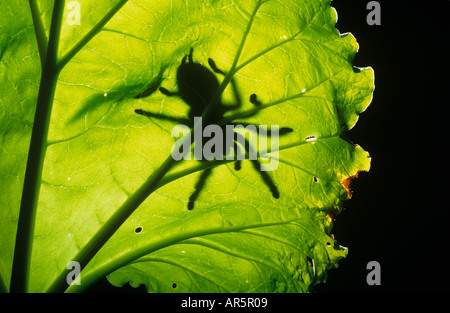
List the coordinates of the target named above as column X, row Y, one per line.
column 100, row 152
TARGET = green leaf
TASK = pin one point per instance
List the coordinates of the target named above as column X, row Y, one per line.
column 101, row 187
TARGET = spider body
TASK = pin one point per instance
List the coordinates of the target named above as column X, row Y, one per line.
column 198, row 87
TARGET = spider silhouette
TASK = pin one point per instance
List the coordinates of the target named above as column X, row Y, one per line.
column 197, row 86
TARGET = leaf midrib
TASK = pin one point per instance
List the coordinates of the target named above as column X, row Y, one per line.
column 51, row 68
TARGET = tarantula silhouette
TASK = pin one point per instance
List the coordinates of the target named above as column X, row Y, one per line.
column 197, row 86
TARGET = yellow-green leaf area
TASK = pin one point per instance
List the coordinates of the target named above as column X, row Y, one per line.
column 276, row 63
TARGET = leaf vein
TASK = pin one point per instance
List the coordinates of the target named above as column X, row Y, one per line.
column 154, row 259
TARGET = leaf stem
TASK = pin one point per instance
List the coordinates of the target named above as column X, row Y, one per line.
column 35, row 162
column 94, row 31
column 3, row 288
column 110, row 227
column 39, row 29
column 268, row 49
column 51, row 68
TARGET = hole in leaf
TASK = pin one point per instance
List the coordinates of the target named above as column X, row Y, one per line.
column 310, row 261
column 174, row 285
column 310, row 138
column 328, row 244
column 316, row 180
column 138, row 230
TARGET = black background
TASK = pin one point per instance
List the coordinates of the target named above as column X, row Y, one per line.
column 398, row 215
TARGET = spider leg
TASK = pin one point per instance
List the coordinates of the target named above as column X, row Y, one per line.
column 178, row 120
column 214, row 67
column 237, row 95
column 191, row 52
column 264, row 175
column 191, row 59
column 145, row 93
column 198, row 187
column 281, row 131
column 254, row 100
column 238, row 104
column 152, row 86
column 267, row 179
column 166, row 92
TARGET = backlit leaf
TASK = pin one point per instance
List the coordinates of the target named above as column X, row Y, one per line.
column 100, row 154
